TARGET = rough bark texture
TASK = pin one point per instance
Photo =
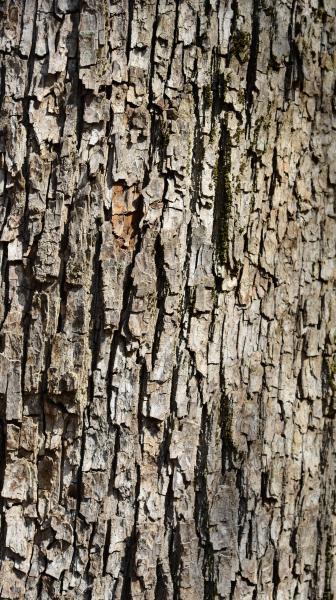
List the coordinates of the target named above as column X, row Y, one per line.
column 167, row 320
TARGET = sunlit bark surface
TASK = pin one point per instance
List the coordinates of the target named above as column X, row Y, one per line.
column 167, row 315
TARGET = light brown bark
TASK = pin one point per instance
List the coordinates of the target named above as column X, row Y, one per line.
column 167, row 359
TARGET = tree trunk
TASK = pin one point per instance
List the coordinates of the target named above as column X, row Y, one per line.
column 167, row 319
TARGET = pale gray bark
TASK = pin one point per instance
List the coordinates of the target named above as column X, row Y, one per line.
column 167, row 319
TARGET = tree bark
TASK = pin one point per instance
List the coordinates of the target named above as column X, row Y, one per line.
column 167, row 319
